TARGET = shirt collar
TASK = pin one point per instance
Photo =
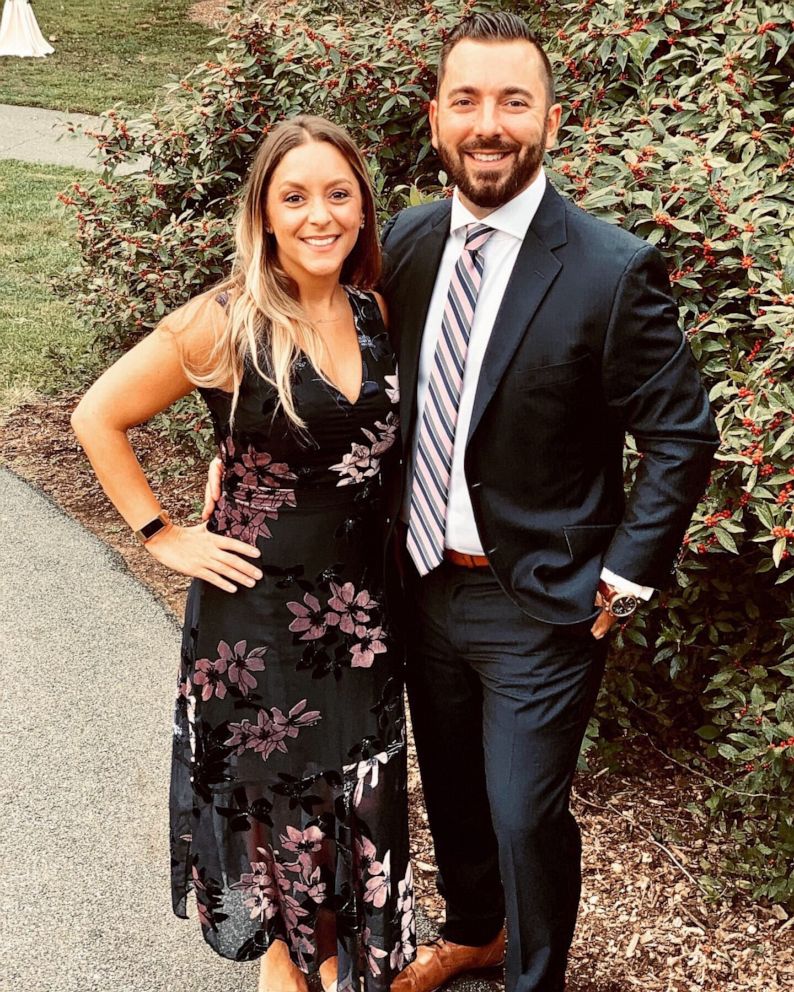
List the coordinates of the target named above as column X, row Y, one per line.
column 513, row 217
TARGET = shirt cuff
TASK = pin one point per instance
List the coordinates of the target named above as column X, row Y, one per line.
column 625, row 586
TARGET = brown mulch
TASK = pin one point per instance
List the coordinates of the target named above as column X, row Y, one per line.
column 212, row 14
column 644, row 921
column 215, row 14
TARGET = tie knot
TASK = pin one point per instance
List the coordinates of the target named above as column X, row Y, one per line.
column 476, row 236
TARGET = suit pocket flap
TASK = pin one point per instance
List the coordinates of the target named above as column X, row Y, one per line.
column 588, row 540
column 553, row 375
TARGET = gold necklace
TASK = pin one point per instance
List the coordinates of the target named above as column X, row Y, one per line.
column 325, row 320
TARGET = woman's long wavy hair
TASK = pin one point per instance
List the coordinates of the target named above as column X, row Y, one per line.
column 266, row 323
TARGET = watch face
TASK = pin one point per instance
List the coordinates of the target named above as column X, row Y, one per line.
column 152, row 528
column 623, row 606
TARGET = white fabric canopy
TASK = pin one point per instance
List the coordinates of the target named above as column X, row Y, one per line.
column 19, row 32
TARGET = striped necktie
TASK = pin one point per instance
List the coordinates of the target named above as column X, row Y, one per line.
column 433, row 463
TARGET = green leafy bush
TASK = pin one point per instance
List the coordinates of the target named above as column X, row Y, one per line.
column 678, row 119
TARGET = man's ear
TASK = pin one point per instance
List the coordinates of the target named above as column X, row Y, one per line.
column 553, row 115
column 432, row 115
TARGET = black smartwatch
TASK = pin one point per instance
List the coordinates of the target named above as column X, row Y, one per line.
column 148, row 531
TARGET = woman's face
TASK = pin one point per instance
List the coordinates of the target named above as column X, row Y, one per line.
column 314, row 210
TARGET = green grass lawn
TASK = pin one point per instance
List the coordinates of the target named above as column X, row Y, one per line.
column 37, row 245
column 106, row 52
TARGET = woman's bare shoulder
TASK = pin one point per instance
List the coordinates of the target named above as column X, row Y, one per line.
column 197, row 324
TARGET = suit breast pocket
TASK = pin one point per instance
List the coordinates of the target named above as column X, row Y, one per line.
column 553, row 375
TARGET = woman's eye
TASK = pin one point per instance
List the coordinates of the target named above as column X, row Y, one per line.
column 340, row 194
column 293, row 198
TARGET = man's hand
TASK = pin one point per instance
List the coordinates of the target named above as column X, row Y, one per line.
column 212, row 491
column 604, row 621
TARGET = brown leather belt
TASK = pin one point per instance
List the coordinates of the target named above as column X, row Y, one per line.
column 464, row 560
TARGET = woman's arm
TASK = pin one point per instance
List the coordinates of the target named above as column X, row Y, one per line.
column 145, row 381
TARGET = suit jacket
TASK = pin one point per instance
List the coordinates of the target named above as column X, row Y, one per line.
column 586, row 347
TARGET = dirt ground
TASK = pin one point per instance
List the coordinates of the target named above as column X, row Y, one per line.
column 644, row 921
column 210, row 13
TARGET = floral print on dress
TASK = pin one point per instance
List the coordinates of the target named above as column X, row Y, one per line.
column 255, row 489
column 236, row 663
column 252, row 470
column 271, row 729
column 403, row 952
column 345, row 629
column 363, row 461
column 393, row 388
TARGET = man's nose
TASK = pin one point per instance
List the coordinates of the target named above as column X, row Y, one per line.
column 488, row 121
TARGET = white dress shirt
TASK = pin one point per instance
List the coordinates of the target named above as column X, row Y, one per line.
column 510, row 222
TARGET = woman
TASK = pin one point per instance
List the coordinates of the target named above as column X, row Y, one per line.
column 20, row 34
column 288, row 791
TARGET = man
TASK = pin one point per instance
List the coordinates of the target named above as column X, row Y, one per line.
column 531, row 338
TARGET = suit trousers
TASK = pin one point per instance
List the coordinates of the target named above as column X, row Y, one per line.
column 499, row 705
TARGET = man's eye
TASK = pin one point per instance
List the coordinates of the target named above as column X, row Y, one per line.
column 516, row 103
column 463, row 102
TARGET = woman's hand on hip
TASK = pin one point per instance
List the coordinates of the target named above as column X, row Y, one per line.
column 215, row 559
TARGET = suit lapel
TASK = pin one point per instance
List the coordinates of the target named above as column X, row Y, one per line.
column 535, row 270
column 416, row 289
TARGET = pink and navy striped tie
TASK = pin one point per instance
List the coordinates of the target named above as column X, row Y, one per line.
column 433, row 466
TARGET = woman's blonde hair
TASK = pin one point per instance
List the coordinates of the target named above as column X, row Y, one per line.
column 266, row 323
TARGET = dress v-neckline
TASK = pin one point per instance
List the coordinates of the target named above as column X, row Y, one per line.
column 362, row 375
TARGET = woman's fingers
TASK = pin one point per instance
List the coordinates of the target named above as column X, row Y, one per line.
column 212, row 490
column 206, row 510
column 236, row 568
column 215, row 476
column 216, row 580
column 240, row 547
column 209, row 503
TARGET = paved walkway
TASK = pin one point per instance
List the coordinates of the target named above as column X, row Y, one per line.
column 30, row 134
column 90, row 663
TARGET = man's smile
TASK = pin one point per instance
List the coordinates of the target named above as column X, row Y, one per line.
column 488, row 156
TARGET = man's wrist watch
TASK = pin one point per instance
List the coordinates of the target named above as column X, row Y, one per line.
column 620, row 605
column 154, row 527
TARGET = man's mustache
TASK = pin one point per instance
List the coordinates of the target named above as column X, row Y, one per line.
column 490, row 146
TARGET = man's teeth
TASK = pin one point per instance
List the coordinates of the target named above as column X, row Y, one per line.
column 321, row 242
column 488, row 156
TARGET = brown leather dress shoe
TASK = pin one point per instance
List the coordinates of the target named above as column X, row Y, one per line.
column 440, row 961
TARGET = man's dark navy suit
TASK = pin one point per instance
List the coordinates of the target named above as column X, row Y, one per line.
column 585, row 348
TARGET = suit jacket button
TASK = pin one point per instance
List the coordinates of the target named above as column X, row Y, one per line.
column 492, row 551
column 475, row 485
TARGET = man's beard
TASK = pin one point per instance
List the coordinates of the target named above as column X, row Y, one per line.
column 491, row 192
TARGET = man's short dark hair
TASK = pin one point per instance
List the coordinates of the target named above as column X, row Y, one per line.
column 501, row 26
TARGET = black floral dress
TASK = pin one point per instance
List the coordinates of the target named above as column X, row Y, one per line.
column 288, row 791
